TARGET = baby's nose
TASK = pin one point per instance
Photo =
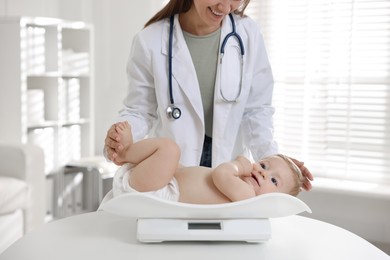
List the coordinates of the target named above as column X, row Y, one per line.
column 263, row 174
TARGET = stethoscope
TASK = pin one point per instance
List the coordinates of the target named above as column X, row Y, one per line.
column 173, row 111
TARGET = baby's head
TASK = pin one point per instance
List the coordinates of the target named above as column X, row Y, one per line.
column 276, row 173
column 297, row 175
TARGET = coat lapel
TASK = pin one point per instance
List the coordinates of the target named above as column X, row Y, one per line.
column 183, row 70
column 184, row 74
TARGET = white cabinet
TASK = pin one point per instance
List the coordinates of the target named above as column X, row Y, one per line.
column 47, row 87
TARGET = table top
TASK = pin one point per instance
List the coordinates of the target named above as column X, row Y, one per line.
column 101, row 235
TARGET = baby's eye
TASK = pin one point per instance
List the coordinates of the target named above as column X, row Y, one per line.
column 262, row 165
column 274, row 181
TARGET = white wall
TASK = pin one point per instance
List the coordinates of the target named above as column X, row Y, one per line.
column 115, row 23
column 29, row 7
column 366, row 214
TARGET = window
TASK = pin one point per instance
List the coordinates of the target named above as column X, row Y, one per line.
column 331, row 63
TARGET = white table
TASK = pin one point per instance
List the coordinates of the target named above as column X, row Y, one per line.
column 100, row 235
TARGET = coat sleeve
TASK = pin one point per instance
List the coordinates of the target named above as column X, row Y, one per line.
column 140, row 104
column 257, row 119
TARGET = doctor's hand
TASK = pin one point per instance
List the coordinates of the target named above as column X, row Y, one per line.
column 112, row 145
column 306, row 173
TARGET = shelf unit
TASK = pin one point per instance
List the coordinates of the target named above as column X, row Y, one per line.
column 47, row 91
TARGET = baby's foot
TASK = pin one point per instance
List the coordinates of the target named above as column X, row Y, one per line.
column 125, row 136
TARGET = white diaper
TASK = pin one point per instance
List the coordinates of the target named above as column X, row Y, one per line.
column 121, row 185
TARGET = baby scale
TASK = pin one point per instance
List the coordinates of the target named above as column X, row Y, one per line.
column 160, row 220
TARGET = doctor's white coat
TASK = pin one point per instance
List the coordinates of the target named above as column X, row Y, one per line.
column 243, row 127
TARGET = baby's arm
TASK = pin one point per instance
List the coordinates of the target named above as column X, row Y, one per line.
column 226, row 178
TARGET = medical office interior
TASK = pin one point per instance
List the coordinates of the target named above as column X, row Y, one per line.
column 62, row 89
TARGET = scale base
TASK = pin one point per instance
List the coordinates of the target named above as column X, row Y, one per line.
column 150, row 230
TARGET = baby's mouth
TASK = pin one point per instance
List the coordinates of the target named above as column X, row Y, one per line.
column 255, row 178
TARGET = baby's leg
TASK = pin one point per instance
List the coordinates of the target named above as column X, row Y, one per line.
column 155, row 159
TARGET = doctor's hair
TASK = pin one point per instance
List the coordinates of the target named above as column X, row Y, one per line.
column 298, row 176
column 181, row 6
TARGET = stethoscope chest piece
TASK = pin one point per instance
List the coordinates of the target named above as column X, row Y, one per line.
column 173, row 112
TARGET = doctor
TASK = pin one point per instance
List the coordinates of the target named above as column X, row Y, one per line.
column 202, row 78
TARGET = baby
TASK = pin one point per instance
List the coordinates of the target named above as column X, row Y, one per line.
column 152, row 166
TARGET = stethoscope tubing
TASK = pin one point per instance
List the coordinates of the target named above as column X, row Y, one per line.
column 233, row 33
column 170, row 48
column 173, row 111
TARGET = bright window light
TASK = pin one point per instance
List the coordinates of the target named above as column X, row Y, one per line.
column 331, row 63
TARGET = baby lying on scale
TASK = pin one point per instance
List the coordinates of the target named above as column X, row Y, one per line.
column 152, row 166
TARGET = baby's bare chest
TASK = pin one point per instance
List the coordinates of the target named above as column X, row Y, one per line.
column 196, row 186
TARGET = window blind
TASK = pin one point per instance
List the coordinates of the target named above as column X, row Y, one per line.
column 331, row 64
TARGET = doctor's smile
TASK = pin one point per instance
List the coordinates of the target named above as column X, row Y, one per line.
column 215, row 12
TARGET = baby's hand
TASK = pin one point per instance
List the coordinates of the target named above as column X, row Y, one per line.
column 246, row 165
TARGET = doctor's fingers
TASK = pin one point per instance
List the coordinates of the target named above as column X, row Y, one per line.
column 307, row 185
column 112, row 133
column 110, row 153
column 308, row 178
column 113, row 156
column 112, row 138
column 305, row 171
column 112, row 143
column 112, row 147
column 306, row 174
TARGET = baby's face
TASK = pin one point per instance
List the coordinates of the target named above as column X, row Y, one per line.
column 271, row 174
